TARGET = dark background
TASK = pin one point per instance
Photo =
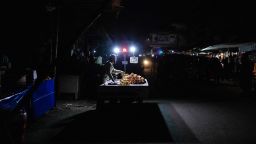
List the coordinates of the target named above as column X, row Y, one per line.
column 27, row 25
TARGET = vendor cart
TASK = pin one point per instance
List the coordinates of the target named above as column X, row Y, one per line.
column 120, row 93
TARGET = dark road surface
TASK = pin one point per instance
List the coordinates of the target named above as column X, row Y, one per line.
column 208, row 114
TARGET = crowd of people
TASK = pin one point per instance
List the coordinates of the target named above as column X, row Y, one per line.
column 178, row 68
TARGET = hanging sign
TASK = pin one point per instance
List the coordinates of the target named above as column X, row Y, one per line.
column 134, row 60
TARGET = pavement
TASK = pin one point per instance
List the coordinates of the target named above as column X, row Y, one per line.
column 42, row 130
column 205, row 113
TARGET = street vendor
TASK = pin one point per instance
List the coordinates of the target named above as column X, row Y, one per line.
column 109, row 70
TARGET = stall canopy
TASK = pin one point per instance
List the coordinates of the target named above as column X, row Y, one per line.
column 241, row 47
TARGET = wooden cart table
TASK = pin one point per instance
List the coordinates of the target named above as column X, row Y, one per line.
column 116, row 93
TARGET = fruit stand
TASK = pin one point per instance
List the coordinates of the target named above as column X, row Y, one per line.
column 132, row 88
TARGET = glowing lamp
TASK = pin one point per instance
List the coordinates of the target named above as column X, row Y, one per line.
column 124, row 50
column 146, row 62
column 116, row 50
column 132, row 49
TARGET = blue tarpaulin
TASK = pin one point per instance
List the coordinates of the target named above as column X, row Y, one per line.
column 9, row 103
column 43, row 99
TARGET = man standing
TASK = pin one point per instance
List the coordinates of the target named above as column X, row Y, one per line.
column 109, row 69
column 246, row 74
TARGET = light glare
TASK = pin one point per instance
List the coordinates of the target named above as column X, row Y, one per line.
column 124, row 50
column 132, row 49
column 116, row 50
column 145, row 62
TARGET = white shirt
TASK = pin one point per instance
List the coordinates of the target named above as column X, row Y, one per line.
column 109, row 70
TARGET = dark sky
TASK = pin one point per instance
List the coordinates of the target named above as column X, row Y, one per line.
column 219, row 17
column 27, row 19
column 26, row 23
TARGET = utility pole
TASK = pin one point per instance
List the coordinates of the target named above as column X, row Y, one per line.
column 124, row 63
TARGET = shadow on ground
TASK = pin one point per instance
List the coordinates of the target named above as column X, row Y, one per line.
column 117, row 123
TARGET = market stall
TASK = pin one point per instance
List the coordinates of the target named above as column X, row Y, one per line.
column 131, row 87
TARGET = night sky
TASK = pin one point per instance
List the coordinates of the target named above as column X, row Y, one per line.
column 27, row 25
column 212, row 17
column 138, row 17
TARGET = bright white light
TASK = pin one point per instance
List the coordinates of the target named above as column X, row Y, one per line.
column 152, row 55
column 94, row 51
column 116, row 50
column 140, row 55
column 132, row 49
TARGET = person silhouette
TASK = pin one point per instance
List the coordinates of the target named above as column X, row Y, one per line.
column 246, row 74
column 109, row 70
